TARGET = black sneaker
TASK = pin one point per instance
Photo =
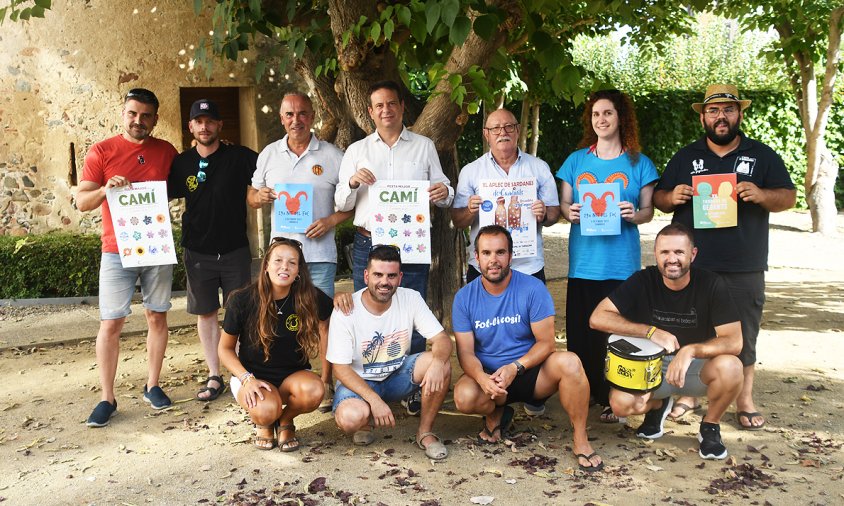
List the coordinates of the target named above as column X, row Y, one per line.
column 711, row 446
column 413, row 403
column 651, row 428
column 156, row 397
column 102, row 414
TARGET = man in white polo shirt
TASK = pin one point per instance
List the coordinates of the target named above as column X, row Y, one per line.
column 300, row 157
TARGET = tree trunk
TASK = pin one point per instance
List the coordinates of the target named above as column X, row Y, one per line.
column 523, row 121
column 534, row 127
column 821, row 195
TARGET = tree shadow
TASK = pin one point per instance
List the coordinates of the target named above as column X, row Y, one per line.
column 809, row 305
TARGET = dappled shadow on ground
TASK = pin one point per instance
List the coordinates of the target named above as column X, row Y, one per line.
column 807, row 305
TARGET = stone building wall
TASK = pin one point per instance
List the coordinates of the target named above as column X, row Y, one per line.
column 64, row 78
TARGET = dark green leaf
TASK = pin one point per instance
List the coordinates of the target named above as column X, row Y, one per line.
column 24, row 15
column 255, row 7
column 460, row 30
column 485, row 25
column 403, row 15
column 44, row 4
column 418, row 29
column 375, row 31
column 37, row 11
column 197, row 7
column 450, row 9
column 432, row 15
column 389, row 26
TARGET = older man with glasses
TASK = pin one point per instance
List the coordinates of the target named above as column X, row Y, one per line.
column 506, row 161
column 131, row 156
column 370, row 350
column 212, row 177
column 738, row 253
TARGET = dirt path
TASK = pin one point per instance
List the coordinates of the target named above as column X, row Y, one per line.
column 200, row 453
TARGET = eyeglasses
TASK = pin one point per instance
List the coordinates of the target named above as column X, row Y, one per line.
column 714, row 112
column 378, row 246
column 201, row 176
column 285, row 240
column 508, row 128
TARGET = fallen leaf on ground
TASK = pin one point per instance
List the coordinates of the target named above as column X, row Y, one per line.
column 482, row 499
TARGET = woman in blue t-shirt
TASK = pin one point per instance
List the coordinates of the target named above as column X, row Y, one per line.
column 609, row 153
column 278, row 321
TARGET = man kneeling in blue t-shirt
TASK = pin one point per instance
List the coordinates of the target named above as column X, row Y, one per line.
column 504, row 325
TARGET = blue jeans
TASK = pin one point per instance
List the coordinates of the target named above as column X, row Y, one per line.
column 323, row 274
column 414, row 276
column 397, row 386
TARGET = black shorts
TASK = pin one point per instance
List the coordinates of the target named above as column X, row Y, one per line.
column 523, row 387
column 748, row 292
column 206, row 274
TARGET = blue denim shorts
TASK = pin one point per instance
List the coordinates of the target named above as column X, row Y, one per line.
column 693, row 386
column 117, row 285
column 323, row 274
column 397, row 386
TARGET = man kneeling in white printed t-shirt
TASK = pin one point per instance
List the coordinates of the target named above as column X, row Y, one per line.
column 369, row 352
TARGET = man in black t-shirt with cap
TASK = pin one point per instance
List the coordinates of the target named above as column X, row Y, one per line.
column 689, row 312
column 739, row 254
column 213, row 178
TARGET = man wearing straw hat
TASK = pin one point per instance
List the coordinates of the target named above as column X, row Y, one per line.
column 738, row 253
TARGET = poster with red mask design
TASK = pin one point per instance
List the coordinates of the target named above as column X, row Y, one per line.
column 599, row 214
column 293, row 209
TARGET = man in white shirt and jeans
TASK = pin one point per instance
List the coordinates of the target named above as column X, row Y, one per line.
column 391, row 152
column 370, row 353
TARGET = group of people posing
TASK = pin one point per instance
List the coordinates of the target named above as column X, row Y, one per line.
column 373, row 344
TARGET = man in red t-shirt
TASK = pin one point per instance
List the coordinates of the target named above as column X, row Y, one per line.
column 131, row 156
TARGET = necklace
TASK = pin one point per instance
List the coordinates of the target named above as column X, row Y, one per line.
column 280, row 308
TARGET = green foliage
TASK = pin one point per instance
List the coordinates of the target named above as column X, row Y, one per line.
column 424, row 33
column 58, row 264
column 715, row 51
column 24, row 10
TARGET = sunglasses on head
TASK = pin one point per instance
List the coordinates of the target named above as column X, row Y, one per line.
column 285, row 240
column 389, row 246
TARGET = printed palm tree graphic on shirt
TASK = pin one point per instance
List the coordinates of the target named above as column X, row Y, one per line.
column 385, row 352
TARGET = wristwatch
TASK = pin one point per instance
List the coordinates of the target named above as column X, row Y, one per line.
column 520, row 369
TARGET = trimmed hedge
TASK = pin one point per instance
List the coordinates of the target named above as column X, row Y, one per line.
column 58, row 264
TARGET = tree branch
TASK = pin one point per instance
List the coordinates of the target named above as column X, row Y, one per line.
column 833, row 58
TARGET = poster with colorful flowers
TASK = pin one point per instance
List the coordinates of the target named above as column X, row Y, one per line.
column 141, row 220
column 401, row 215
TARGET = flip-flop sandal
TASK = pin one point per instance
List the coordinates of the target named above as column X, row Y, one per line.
column 258, row 441
column 684, row 410
column 607, row 416
column 215, row 392
column 435, row 450
column 591, row 468
column 749, row 415
column 364, row 437
column 290, row 444
column 502, row 427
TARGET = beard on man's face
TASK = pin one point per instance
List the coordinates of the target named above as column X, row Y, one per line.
column 724, row 138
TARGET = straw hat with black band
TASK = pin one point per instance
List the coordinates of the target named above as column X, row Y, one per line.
column 718, row 93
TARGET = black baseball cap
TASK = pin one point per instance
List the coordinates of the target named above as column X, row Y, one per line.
column 204, row 107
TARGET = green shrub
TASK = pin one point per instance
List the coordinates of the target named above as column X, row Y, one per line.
column 58, row 264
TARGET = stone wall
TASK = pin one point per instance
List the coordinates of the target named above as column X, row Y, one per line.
column 64, row 78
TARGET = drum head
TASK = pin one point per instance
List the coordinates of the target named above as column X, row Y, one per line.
column 634, row 347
